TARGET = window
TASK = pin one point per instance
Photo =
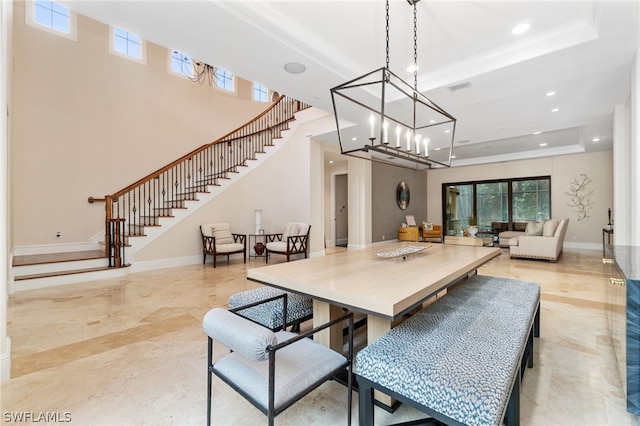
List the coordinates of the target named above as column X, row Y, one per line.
column 224, row 79
column 181, row 64
column 127, row 44
column 260, row 93
column 531, row 200
column 496, row 205
column 52, row 17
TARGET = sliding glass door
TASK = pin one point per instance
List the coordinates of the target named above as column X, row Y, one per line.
column 497, row 205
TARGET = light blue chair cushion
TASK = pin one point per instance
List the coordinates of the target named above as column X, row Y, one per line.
column 270, row 314
column 297, row 367
column 450, row 355
column 244, row 337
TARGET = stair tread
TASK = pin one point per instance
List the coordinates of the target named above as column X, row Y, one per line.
column 38, row 259
column 60, row 273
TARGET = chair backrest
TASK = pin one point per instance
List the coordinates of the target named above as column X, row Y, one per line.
column 220, row 230
column 249, row 339
column 293, row 229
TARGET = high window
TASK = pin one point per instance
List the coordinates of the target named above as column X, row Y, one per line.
column 181, row 63
column 52, row 17
column 224, row 79
column 127, row 44
column 260, row 93
column 497, row 204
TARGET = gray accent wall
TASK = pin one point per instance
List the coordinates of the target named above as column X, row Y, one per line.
column 387, row 217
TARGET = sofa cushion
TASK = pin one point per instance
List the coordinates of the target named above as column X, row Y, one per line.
column 534, row 229
column 549, row 228
column 222, row 234
column 290, row 230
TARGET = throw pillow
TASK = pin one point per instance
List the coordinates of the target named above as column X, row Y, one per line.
column 427, row 226
column 549, row 228
column 222, row 235
column 534, row 229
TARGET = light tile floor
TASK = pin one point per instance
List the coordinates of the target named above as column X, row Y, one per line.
column 131, row 351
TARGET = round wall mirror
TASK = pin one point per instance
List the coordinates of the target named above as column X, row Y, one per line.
column 402, row 195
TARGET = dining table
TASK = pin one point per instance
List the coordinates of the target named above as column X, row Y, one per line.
column 383, row 281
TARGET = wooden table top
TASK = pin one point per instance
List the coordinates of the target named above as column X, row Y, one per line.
column 364, row 282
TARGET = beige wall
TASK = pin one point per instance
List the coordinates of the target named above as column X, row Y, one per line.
column 88, row 123
column 562, row 169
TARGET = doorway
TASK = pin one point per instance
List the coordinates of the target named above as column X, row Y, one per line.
column 341, row 211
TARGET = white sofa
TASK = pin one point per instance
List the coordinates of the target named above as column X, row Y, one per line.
column 546, row 246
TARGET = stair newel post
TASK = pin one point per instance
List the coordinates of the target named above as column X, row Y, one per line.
column 107, row 231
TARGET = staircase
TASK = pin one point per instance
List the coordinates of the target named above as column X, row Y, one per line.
column 136, row 214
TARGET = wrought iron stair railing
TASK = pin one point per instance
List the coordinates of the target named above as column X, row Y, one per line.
column 140, row 204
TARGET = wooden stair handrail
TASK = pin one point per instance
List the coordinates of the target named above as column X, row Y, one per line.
column 198, row 150
column 282, row 109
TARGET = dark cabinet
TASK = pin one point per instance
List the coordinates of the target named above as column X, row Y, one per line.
column 622, row 267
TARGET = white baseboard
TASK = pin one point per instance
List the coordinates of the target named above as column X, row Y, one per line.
column 5, row 363
column 151, row 265
column 584, row 246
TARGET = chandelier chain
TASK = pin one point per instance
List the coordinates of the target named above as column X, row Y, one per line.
column 415, row 47
column 387, row 30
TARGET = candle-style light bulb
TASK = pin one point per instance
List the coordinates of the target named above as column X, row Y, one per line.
column 372, row 122
column 398, row 130
column 385, row 127
column 418, row 137
column 426, row 147
column 408, row 140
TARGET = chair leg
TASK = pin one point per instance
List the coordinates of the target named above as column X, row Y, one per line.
column 214, row 260
column 209, row 379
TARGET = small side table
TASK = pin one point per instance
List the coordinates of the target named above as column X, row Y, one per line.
column 408, row 233
column 256, row 238
column 608, row 233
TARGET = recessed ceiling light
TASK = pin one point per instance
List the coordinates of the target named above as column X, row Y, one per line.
column 595, row 140
column 294, row 68
column 453, row 156
column 555, row 110
column 536, row 133
column 551, row 93
column 354, row 139
column 447, row 131
column 432, row 121
column 543, row 144
column 330, row 161
column 521, row 28
column 413, row 67
column 438, row 149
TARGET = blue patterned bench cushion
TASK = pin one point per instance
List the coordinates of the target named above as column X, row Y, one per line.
column 458, row 356
column 270, row 314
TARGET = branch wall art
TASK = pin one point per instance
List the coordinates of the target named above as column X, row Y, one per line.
column 579, row 196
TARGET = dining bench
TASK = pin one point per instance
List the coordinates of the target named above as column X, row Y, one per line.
column 459, row 360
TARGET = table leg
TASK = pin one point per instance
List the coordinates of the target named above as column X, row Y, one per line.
column 377, row 327
column 324, row 312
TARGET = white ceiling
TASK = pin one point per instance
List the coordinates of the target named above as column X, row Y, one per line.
column 582, row 50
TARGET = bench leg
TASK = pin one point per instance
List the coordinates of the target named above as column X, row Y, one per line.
column 530, row 349
column 365, row 404
column 513, row 408
column 536, row 323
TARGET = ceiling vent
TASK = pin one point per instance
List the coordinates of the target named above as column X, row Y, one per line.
column 459, row 86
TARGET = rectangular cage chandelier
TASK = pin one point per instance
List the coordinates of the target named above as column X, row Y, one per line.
column 380, row 117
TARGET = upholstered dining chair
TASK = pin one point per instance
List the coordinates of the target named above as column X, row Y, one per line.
column 293, row 240
column 269, row 314
column 218, row 240
column 272, row 370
